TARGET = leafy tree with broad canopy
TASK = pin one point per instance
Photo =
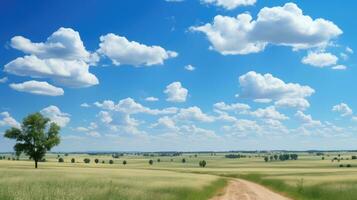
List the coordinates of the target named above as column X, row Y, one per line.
column 36, row 136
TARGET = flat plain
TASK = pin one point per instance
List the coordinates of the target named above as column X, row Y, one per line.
column 168, row 177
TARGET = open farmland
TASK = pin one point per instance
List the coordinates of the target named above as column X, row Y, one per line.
column 309, row 177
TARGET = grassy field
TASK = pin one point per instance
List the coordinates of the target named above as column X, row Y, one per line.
column 310, row 177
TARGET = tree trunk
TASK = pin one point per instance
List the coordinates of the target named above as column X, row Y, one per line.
column 36, row 164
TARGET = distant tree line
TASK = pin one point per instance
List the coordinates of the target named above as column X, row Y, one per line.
column 232, row 156
column 281, row 157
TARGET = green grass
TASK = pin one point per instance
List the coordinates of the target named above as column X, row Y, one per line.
column 18, row 181
column 337, row 190
column 322, row 179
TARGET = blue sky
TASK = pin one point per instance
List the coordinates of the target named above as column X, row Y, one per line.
column 182, row 75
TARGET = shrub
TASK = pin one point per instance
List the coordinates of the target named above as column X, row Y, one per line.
column 60, row 160
column 266, row 158
column 172, row 160
column 111, row 161
column 341, row 165
column 158, row 160
column 0, row 157
column 151, row 162
column 86, row 160
column 8, row 158
column 96, row 160
column 232, row 156
column 202, row 163
column 66, row 154
column 354, row 157
column 103, row 161
column 73, row 160
column 323, row 158
column 124, row 162
column 348, row 165
column 183, row 160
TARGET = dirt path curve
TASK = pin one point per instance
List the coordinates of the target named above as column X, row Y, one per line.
column 238, row 189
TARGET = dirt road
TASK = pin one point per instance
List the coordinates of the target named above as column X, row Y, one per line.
column 238, row 189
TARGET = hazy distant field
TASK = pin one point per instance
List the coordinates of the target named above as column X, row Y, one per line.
column 307, row 178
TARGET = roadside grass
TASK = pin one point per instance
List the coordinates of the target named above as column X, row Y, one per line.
column 338, row 190
column 80, row 183
column 309, row 178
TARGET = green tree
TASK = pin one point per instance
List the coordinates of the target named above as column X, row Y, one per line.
column 36, row 136
column 202, row 163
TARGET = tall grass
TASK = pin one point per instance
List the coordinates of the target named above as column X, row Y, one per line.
column 341, row 190
column 76, row 183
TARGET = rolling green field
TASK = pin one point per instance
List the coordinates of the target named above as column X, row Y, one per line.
column 309, row 177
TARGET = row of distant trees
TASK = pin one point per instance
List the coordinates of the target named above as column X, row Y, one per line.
column 281, row 157
column 201, row 163
column 87, row 160
column 232, row 156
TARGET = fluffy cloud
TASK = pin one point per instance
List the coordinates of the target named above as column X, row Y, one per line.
column 7, row 120
column 166, row 123
column 320, row 59
column 339, row 67
column 230, row 4
column 343, row 109
column 93, row 134
column 307, row 119
column 242, row 127
column 56, row 115
column 152, row 99
column 3, row 80
column 37, row 87
column 257, row 86
column 121, row 51
column 269, row 113
column 190, row 68
column 105, row 117
column 236, row 107
column 71, row 73
column 286, row 26
column 175, row 92
column 298, row 103
column 85, row 105
column 62, row 58
column 65, row 43
column 130, row 106
column 193, row 114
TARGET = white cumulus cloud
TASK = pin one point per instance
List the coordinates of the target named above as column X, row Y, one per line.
column 258, row 86
column 175, row 92
column 282, row 25
column 56, row 115
column 339, row 67
column 230, row 4
column 3, row 80
column 37, row 87
column 190, row 68
column 320, row 59
column 343, row 109
column 62, row 58
column 7, row 120
column 152, row 99
column 124, row 52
